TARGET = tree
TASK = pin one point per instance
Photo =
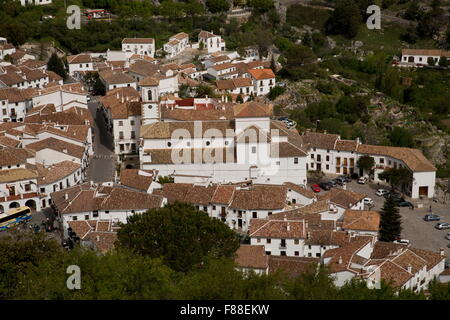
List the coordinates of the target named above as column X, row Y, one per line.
column 366, row 163
column 398, row 178
column 275, row 92
column 239, row 99
column 391, row 221
column 345, row 19
column 99, row 87
column 165, row 179
column 56, row 65
column 443, row 62
column 179, row 234
column 413, row 11
column 401, row 137
column 217, row 5
column 260, row 6
column 431, row 61
column 204, row 90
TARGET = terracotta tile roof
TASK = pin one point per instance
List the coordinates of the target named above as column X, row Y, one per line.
column 144, row 68
column 341, row 258
column 408, row 258
column 270, row 197
column 75, row 88
column 303, row 191
column 223, row 195
column 382, row 249
column 52, row 76
column 286, row 150
column 431, row 258
column 199, row 195
column 142, row 57
column 343, row 198
column 413, row 158
column 79, row 58
column 291, row 266
column 163, row 130
column 346, row 145
column 361, row 220
column 165, row 156
column 18, row 174
column 206, row 34
column 11, row 78
column 424, row 52
column 136, row 179
column 55, row 172
column 74, row 132
column 253, row 109
column 32, row 74
column 34, row 63
column 261, row 74
column 223, row 66
column 58, row 145
column 197, row 115
column 84, row 198
column 71, row 116
column 102, row 234
column 16, row 95
column 125, row 110
column 394, row 274
column 138, row 40
column 280, row 229
column 116, row 77
column 9, row 142
column 14, row 156
column 250, row 256
column 231, row 84
column 320, row 140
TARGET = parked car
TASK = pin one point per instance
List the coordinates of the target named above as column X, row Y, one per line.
column 431, row 217
column 381, row 192
column 340, row 181
column 368, row 201
column 402, row 241
column 325, row 185
column 315, row 188
column 447, row 236
column 442, row 225
column 362, row 180
column 403, row 203
column 394, row 195
column 346, row 178
column 332, row 183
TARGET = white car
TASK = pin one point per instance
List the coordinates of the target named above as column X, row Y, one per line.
column 381, row 192
column 402, row 241
column 368, row 201
column 362, row 180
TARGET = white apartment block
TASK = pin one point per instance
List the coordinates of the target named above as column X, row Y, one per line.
column 176, row 44
column 419, row 57
column 331, row 154
column 251, row 147
column 14, row 104
column 211, row 42
column 142, row 46
column 263, row 80
column 80, row 64
column 35, row 2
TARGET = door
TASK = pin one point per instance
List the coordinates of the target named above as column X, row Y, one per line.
column 240, row 223
column 423, row 191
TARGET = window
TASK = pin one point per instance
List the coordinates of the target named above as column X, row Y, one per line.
column 328, row 167
column 253, row 149
column 120, row 134
column 132, row 122
column 120, row 123
column 296, row 241
column 95, row 214
column 312, row 155
column 295, row 160
column 208, row 143
column 28, row 187
column 258, row 240
column 319, row 158
column 270, row 213
column 283, row 253
column 381, row 160
column 296, row 253
column 149, row 95
column 86, row 217
column 169, row 144
column 42, row 190
column 269, row 240
column 133, row 135
column 226, row 143
column 74, row 218
column 255, row 215
column 214, row 207
column 318, row 255
column 328, row 158
column 278, row 163
column 205, row 209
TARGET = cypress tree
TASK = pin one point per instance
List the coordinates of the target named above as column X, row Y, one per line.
column 391, row 221
column 56, row 65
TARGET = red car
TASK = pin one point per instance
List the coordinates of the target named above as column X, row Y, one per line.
column 315, row 188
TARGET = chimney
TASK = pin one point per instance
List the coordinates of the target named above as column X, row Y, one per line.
column 409, row 268
column 285, row 218
column 66, row 196
column 308, row 235
column 288, row 227
column 340, row 260
column 98, row 238
column 441, row 252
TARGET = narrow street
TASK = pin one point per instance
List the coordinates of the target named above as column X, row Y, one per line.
column 102, row 163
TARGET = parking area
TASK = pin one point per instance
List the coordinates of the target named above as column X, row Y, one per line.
column 421, row 234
